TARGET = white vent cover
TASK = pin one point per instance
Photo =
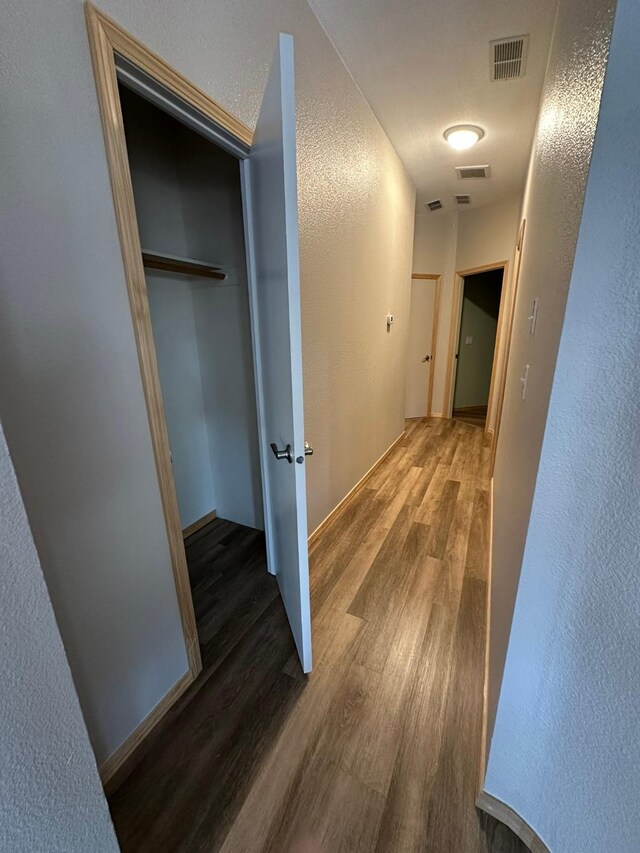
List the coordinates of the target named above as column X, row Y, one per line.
column 436, row 204
column 509, row 57
column 463, row 199
column 473, row 171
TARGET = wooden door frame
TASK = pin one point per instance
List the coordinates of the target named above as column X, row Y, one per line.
column 517, row 263
column 109, row 42
column 434, row 330
column 454, row 333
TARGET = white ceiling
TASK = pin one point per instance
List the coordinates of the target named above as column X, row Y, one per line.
column 423, row 65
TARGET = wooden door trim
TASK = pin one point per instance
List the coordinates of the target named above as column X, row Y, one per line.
column 497, row 349
column 106, row 40
column 484, row 746
column 454, row 331
column 507, row 346
column 427, row 276
column 108, row 37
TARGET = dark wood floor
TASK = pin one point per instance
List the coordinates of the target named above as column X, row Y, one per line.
column 473, row 415
column 230, row 585
column 377, row 750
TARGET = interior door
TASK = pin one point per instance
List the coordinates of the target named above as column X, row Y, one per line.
column 273, row 202
column 423, row 294
column 456, row 345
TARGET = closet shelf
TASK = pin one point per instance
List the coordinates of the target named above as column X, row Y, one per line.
column 185, row 266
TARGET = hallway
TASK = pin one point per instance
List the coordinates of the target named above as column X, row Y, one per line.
column 378, row 749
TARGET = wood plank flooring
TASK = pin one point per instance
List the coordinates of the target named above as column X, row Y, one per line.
column 376, row 750
column 474, row 415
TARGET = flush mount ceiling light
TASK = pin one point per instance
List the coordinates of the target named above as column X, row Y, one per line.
column 463, row 136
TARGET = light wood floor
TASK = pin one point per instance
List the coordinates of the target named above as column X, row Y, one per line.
column 378, row 749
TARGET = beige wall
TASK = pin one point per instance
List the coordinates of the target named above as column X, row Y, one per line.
column 488, row 234
column 70, row 386
column 356, row 233
column 446, row 243
column 552, row 206
column 431, row 241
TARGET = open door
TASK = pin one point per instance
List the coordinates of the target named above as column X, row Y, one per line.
column 271, row 199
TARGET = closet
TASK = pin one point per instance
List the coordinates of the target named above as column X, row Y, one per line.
column 207, row 213
column 188, row 201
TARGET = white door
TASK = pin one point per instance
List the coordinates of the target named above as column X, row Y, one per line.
column 272, row 208
column 423, row 296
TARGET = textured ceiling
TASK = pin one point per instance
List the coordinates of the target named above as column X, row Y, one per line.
column 423, row 65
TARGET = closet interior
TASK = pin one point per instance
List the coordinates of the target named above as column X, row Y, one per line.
column 189, row 210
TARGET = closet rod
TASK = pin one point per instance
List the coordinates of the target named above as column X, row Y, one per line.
column 186, row 266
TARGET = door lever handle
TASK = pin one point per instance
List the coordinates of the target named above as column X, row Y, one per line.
column 282, row 454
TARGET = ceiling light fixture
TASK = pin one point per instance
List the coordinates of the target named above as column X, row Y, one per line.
column 463, row 136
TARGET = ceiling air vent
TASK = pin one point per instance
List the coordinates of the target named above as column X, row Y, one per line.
column 509, row 57
column 436, row 204
column 473, row 171
column 463, row 199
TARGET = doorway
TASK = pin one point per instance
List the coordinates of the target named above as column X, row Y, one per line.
column 423, row 329
column 188, row 199
column 480, row 310
column 479, row 346
column 239, row 368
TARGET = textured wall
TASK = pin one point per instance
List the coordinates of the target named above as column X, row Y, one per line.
column 356, row 233
column 50, row 794
column 552, row 208
column 431, row 237
column 71, row 390
column 566, row 747
column 488, row 234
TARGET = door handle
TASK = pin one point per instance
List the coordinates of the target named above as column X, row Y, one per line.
column 427, row 358
column 282, row 454
column 308, row 451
